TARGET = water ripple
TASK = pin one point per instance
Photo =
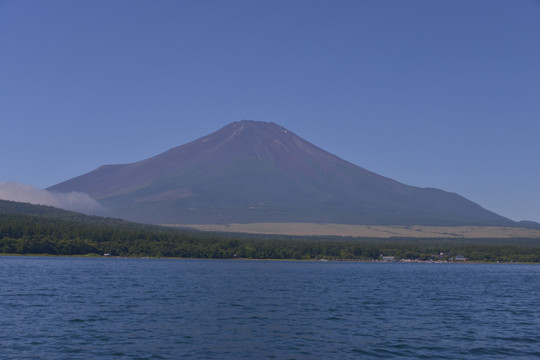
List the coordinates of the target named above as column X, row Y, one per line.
column 68, row 308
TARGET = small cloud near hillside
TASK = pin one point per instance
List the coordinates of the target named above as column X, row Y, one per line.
column 75, row 201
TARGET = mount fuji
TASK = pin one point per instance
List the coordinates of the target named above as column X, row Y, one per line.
column 251, row 171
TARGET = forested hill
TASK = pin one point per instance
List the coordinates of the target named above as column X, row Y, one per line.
column 44, row 211
column 35, row 229
column 38, row 229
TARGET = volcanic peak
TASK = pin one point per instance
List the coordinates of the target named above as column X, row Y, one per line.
column 252, row 171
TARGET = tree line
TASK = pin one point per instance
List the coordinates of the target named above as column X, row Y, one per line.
column 80, row 235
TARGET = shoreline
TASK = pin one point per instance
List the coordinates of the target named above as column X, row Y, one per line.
column 402, row 261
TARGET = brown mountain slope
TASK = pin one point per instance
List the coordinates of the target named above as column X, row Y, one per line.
column 252, row 171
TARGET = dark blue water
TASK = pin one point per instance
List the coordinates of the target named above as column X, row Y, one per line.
column 79, row 308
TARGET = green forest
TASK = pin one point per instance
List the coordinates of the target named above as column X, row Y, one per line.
column 34, row 229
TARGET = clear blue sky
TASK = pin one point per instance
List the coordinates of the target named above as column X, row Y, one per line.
column 441, row 94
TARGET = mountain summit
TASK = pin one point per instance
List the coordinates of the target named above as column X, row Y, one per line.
column 250, row 171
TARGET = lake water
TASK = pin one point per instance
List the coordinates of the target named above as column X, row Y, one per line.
column 106, row 308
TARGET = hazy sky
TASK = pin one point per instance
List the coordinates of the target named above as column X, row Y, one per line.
column 441, row 94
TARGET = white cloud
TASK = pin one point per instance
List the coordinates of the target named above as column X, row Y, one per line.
column 75, row 201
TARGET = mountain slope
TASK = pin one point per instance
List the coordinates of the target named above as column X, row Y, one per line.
column 252, row 171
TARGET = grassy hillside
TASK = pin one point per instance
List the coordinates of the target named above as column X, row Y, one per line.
column 373, row 231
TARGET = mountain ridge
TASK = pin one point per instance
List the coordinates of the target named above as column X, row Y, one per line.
column 250, row 171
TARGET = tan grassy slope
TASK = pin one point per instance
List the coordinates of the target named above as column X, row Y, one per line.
column 370, row 230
